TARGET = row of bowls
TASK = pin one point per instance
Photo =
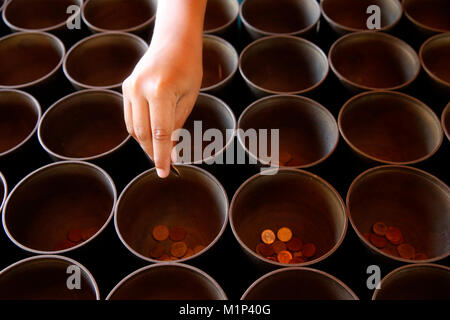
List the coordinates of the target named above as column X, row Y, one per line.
column 48, row 276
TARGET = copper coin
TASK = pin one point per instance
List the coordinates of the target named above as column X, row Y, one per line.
column 63, row 245
column 296, row 260
column 295, row 244
column 189, row 253
column 157, row 251
column 74, row 235
column 285, row 157
column 309, row 250
column 284, row 256
column 160, row 232
column 378, row 241
column 406, row 251
column 87, row 233
column 390, row 251
column 366, row 236
column 177, row 233
column 178, row 249
column 268, row 236
column 271, row 258
column 279, row 246
column 198, row 248
column 284, row 234
column 164, row 257
column 420, row 256
column 394, row 235
column 265, row 249
column 379, row 228
column 298, row 254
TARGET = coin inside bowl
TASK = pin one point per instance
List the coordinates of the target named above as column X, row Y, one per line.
column 415, row 282
column 434, row 55
column 431, row 15
column 29, row 58
column 390, row 127
column 19, row 117
column 373, row 61
column 59, row 207
column 292, row 198
column 194, row 202
column 283, row 64
column 84, row 125
column 46, row 278
column 167, row 282
column 415, row 202
column 308, row 132
column 283, row 284
column 104, row 60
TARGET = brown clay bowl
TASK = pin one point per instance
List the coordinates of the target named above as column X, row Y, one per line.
column 220, row 16
column 434, row 57
column 428, row 16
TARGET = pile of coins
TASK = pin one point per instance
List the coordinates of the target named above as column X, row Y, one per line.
column 391, row 241
column 284, row 247
column 75, row 236
column 171, row 244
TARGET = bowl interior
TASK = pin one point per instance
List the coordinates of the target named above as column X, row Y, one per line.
column 422, row 282
column 298, row 284
column 219, row 13
column 307, row 132
column 44, row 279
column 430, row 13
column 45, row 207
column 193, row 201
column 19, row 115
column 353, row 13
column 28, row 57
column 282, row 16
column 104, row 60
column 284, row 65
column 119, row 14
column 220, row 60
column 33, row 15
column 214, row 115
column 414, row 202
column 292, row 199
column 435, row 57
column 391, row 127
column 374, row 60
column 84, row 125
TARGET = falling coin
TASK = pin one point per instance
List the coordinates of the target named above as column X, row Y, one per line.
column 177, row 234
column 379, row 228
column 175, row 170
column 278, row 246
column 284, row 257
column 178, row 249
column 268, row 236
column 160, row 233
column 295, row 244
column 378, row 241
column 265, row 249
column 406, row 251
column 394, row 235
column 284, row 234
column 74, row 235
column 157, row 251
column 309, row 250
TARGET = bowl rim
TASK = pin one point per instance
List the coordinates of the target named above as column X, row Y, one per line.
column 271, row 263
column 432, row 179
column 445, row 115
column 229, row 23
column 57, row 104
column 50, row 167
column 422, row 60
column 165, row 265
column 5, row 190
column 402, row 96
column 417, row 23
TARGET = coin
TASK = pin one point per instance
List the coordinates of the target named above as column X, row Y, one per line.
column 157, row 251
column 285, row 157
column 296, row 260
column 366, row 236
column 309, row 250
column 390, row 251
column 420, row 256
column 406, row 251
column 271, row 258
column 298, row 254
column 175, row 170
column 284, row 234
column 164, row 257
column 198, row 248
column 87, row 233
column 268, row 236
column 379, row 228
column 177, row 233
column 284, row 256
column 378, row 241
column 160, row 232
column 189, row 253
column 178, row 249
column 63, row 245
column 279, row 246
column 74, row 235
column 295, row 244
column 265, row 249
column 394, row 235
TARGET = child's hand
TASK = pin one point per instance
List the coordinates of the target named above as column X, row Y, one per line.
column 161, row 92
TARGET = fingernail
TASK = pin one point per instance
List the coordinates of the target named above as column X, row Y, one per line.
column 162, row 173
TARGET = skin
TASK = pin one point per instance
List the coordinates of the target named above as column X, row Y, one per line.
column 162, row 89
